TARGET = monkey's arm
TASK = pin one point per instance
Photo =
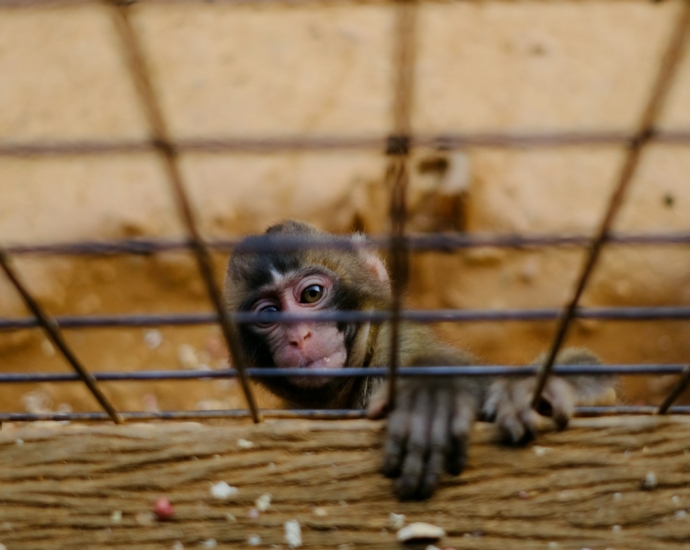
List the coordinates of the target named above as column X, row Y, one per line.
column 509, row 401
column 429, row 429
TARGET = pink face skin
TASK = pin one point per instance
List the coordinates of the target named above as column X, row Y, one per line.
column 301, row 345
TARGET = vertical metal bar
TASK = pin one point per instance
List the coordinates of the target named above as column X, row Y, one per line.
column 53, row 331
column 399, row 148
column 645, row 131
column 676, row 391
column 170, row 156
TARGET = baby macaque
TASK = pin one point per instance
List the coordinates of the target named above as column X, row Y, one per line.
column 429, row 429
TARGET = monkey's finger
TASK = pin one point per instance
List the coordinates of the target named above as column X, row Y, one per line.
column 465, row 412
column 440, row 424
column 530, row 423
column 495, row 395
column 509, row 423
column 417, row 446
column 398, row 430
column 560, row 397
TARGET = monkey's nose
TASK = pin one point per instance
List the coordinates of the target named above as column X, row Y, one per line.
column 298, row 334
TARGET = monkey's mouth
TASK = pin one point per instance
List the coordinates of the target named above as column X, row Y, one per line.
column 334, row 360
column 327, row 362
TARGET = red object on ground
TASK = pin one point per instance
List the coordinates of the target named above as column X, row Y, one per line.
column 163, row 509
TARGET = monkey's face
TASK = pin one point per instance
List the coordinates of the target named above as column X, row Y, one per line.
column 305, row 282
column 303, row 344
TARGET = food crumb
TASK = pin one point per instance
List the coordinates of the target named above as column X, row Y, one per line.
column 293, row 534
column 222, row 490
column 254, row 540
column 650, row 481
column 116, row 516
column 419, row 530
column 320, row 512
column 210, row 543
column 245, row 444
column 177, row 545
column 540, row 451
column 396, row 521
column 263, row 503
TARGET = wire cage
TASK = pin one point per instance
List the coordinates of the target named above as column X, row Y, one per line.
column 399, row 243
column 94, row 487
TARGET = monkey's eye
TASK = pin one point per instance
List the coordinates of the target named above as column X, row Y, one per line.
column 311, row 294
column 261, row 309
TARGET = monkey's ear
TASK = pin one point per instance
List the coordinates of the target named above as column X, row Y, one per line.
column 372, row 260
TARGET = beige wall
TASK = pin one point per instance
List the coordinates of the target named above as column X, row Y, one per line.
column 310, row 70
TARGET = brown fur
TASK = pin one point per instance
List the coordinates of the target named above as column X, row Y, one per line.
column 429, row 429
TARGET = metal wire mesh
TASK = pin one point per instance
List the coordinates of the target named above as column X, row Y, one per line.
column 397, row 146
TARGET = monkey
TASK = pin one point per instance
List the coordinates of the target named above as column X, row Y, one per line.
column 428, row 430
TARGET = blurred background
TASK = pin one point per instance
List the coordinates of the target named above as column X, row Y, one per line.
column 276, row 70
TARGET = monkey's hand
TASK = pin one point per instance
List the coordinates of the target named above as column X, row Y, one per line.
column 509, row 404
column 428, row 431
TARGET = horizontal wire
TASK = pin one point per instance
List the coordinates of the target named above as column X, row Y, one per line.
column 52, row 3
column 350, row 372
column 416, row 316
column 500, row 140
column 440, row 241
column 333, row 414
column 307, row 414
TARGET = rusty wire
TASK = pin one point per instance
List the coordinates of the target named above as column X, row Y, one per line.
column 310, row 414
column 398, row 145
column 447, row 242
column 345, row 372
column 668, row 313
column 645, row 129
column 53, row 332
column 675, row 392
column 169, row 154
column 52, row 3
column 266, row 145
column 398, row 171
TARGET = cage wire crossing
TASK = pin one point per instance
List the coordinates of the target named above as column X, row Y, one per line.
column 399, row 244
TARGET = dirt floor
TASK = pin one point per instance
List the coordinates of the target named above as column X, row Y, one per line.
column 604, row 483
